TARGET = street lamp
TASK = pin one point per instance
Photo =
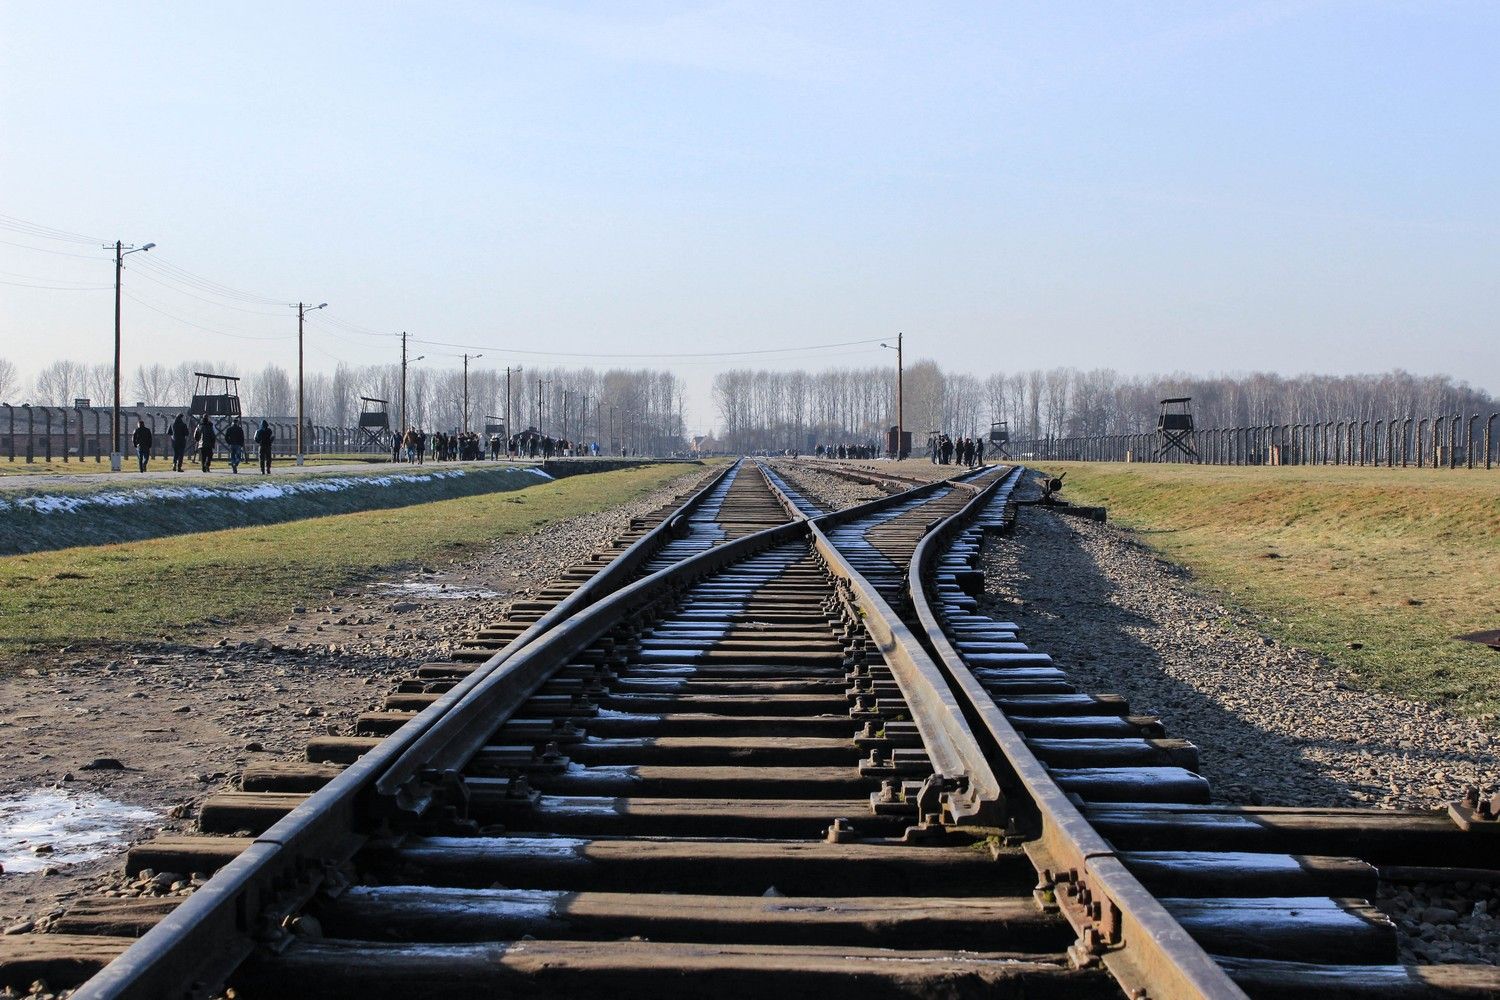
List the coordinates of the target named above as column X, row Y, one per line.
column 509, row 432
column 117, row 452
column 404, row 362
column 900, row 448
column 302, row 310
column 467, row 359
column 540, row 402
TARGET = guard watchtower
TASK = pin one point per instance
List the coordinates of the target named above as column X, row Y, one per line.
column 215, row 395
column 374, row 421
column 1000, row 437
column 495, row 425
column 1174, row 430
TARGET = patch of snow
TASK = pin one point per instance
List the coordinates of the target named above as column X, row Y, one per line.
column 56, row 503
column 76, row 828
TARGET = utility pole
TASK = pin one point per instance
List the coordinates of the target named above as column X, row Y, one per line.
column 117, row 450
column 302, row 310
column 419, row 357
column 565, row 415
column 900, row 450
column 900, row 401
column 509, row 432
column 467, row 359
column 541, row 405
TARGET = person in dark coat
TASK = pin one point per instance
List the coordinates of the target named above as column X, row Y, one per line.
column 206, row 437
column 179, row 442
column 263, row 439
column 234, row 436
column 142, row 441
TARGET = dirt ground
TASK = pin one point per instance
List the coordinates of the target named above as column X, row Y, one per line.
column 183, row 719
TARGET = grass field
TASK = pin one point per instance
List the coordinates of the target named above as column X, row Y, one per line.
column 139, row 590
column 1376, row 570
column 38, row 514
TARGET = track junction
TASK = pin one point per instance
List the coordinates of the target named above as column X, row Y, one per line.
column 750, row 747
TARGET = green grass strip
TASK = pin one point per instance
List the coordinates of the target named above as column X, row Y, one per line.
column 170, row 586
column 1375, row 570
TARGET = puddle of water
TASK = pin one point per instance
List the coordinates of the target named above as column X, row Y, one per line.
column 78, row 827
column 440, row 591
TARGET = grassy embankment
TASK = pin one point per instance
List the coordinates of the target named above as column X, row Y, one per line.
column 1376, row 570
column 126, row 509
column 137, row 590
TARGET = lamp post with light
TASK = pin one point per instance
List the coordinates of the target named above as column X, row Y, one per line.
column 302, row 310
column 467, row 359
column 117, row 450
column 900, row 448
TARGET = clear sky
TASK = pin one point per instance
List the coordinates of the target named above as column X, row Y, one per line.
column 1147, row 186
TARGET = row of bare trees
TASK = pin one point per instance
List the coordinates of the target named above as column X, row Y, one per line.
column 762, row 409
column 638, row 409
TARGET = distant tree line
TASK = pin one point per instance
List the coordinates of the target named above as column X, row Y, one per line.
column 762, row 409
column 641, row 409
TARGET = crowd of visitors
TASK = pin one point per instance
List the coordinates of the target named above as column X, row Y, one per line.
column 944, row 450
column 205, row 437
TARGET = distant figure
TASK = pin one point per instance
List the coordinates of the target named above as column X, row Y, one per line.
column 142, row 442
column 979, row 452
column 179, row 442
column 206, row 437
column 234, row 436
column 263, row 439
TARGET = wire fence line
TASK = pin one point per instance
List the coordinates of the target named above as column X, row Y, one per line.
column 82, row 433
column 1441, row 441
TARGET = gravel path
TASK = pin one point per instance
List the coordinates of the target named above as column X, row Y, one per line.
column 827, row 491
column 1274, row 726
column 184, row 717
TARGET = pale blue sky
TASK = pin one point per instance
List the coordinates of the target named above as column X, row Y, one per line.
column 1154, row 186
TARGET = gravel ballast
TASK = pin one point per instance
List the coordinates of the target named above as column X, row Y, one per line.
column 1274, row 725
column 185, row 717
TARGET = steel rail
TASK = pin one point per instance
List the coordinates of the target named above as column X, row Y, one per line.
column 968, row 787
column 1118, row 920
column 192, row 950
column 470, row 709
column 194, row 947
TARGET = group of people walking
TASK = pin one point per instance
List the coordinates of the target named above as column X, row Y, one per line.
column 846, row 451
column 964, row 451
column 205, row 438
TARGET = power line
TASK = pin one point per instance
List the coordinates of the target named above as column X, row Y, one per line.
column 60, row 253
column 688, row 354
column 60, row 288
column 200, row 326
column 200, row 298
column 169, row 270
column 40, row 231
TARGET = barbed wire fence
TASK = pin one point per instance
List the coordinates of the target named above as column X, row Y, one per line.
column 1441, row 441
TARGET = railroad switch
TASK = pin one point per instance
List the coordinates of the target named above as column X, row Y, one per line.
column 1475, row 812
column 842, row 831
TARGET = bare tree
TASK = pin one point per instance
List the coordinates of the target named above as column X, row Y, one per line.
column 58, row 384
column 10, row 378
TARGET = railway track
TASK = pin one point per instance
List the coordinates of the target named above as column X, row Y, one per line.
column 757, row 747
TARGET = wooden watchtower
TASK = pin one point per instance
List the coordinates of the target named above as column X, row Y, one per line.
column 215, row 395
column 374, row 421
column 1000, row 437
column 1174, row 430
